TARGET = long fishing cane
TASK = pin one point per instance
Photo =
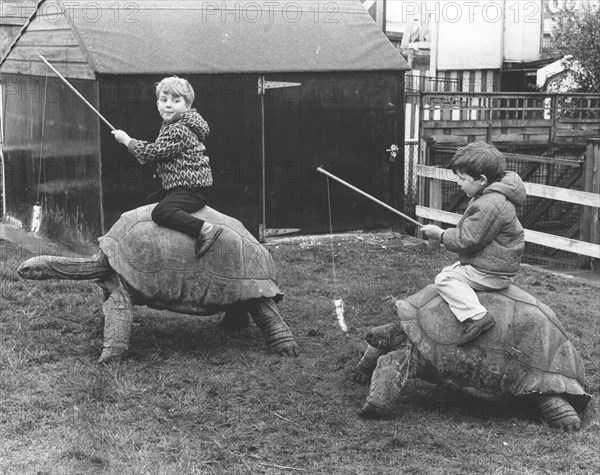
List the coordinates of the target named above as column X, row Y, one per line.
column 366, row 195
column 70, row 86
column 338, row 302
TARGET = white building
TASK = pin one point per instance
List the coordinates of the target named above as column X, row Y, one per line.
column 478, row 45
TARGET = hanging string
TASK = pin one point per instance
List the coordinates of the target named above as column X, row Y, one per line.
column 36, row 218
column 331, row 240
column 337, row 301
column 42, row 140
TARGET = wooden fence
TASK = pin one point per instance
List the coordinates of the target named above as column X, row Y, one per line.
column 550, row 139
column 552, row 119
column 587, row 226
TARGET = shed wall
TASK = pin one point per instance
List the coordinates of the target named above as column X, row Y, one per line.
column 342, row 121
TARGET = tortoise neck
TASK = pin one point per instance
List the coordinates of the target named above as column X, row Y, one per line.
column 77, row 268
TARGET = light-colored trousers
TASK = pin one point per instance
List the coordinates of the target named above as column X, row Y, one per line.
column 457, row 284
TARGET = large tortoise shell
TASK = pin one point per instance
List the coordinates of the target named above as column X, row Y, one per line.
column 161, row 269
column 526, row 352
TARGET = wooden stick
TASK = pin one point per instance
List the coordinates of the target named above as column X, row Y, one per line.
column 366, row 195
column 76, row 92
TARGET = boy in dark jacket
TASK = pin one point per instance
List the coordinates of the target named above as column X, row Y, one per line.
column 488, row 239
column 178, row 154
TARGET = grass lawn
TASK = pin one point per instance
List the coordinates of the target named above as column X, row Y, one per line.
column 192, row 399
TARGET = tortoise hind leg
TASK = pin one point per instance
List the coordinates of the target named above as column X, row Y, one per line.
column 558, row 413
column 118, row 318
column 277, row 334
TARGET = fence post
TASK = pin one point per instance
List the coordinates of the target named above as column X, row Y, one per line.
column 434, row 198
column 588, row 226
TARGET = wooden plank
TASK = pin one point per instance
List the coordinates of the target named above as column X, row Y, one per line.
column 496, row 123
column 511, row 138
column 514, row 95
column 562, row 243
column 66, row 54
column 534, row 189
column 577, row 133
column 37, row 68
column 520, row 157
column 588, row 126
column 569, row 122
column 534, row 237
column 448, row 139
column 463, row 132
column 45, row 24
column 562, row 194
column 47, row 38
column 480, row 132
column 552, row 160
column 523, row 130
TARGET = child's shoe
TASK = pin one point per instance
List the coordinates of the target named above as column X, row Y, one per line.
column 206, row 239
column 474, row 328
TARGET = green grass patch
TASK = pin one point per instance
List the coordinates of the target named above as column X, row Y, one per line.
column 193, row 399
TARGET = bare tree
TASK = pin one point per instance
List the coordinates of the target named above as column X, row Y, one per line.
column 577, row 38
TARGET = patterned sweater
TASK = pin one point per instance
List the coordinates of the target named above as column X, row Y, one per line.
column 178, row 152
column 489, row 235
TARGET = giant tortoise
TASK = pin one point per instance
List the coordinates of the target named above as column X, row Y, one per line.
column 141, row 263
column 526, row 355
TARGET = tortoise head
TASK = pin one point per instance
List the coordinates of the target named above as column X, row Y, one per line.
column 65, row 267
column 387, row 337
column 37, row 268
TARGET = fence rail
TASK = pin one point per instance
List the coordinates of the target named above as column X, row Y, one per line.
column 533, row 189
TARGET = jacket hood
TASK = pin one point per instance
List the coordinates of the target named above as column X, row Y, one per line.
column 191, row 119
column 511, row 186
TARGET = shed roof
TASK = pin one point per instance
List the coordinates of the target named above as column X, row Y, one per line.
column 202, row 37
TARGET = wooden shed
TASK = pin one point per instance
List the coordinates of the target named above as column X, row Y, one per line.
column 285, row 86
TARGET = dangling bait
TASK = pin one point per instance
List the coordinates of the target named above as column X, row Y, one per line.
column 337, row 301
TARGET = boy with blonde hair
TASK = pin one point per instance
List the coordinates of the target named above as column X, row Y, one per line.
column 178, row 155
column 488, row 239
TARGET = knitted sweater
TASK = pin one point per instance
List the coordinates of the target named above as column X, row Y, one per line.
column 489, row 235
column 178, row 152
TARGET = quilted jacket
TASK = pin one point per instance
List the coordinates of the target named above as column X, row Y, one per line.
column 178, row 152
column 489, row 235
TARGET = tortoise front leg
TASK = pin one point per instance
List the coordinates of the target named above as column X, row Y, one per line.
column 276, row 333
column 558, row 413
column 367, row 364
column 391, row 373
column 118, row 318
column 386, row 337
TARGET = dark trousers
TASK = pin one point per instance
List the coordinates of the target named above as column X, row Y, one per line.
column 173, row 211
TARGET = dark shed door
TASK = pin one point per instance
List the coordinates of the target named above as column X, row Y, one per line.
column 283, row 168
column 343, row 122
